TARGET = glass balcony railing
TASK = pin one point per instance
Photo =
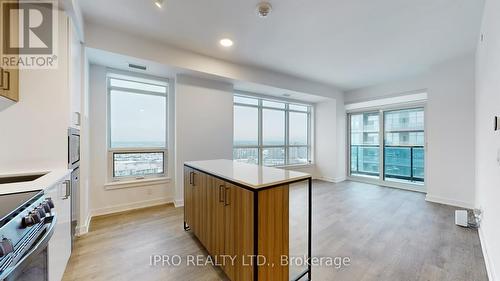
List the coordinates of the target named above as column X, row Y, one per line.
column 404, row 163
column 401, row 163
column 365, row 160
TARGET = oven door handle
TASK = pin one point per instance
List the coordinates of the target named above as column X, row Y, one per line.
column 42, row 242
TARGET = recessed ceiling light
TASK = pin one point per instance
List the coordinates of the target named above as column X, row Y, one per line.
column 159, row 3
column 226, row 42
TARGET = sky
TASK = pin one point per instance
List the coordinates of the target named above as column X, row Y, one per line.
column 137, row 118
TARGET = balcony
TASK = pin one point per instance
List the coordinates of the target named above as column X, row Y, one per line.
column 401, row 163
column 404, row 163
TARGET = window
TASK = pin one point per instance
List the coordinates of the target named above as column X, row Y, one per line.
column 400, row 158
column 271, row 132
column 137, row 133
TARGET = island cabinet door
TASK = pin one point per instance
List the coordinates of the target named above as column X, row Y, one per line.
column 188, row 197
column 239, row 232
column 200, row 206
column 219, row 222
column 200, row 182
column 216, row 223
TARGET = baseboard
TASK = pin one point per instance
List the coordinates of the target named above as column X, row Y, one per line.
column 130, row 206
column 178, row 203
column 333, row 180
column 490, row 269
column 451, row 202
column 83, row 229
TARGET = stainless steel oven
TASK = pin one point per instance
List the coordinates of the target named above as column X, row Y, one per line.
column 73, row 148
column 27, row 222
column 34, row 266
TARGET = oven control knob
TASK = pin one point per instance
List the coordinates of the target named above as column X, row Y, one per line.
column 28, row 221
column 49, row 202
column 45, row 207
column 36, row 216
column 41, row 212
column 6, row 247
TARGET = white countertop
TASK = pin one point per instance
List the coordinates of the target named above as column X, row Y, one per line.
column 52, row 177
column 250, row 175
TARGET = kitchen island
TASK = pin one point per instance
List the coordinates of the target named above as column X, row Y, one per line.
column 240, row 213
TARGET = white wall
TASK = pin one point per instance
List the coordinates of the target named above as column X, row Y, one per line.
column 449, row 121
column 327, row 141
column 203, row 123
column 340, row 138
column 103, row 200
column 34, row 130
column 488, row 141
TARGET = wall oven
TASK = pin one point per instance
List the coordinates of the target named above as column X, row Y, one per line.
column 73, row 148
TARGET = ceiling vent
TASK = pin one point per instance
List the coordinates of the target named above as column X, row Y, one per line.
column 136, row 66
column 264, row 9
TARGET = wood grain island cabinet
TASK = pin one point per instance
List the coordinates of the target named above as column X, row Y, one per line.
column 241, row 211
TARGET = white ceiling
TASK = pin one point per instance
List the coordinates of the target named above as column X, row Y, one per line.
column 346, row 43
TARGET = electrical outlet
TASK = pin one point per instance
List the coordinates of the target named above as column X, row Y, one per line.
column 477, row 217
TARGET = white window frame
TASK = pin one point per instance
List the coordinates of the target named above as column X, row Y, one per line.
column 381, row 180
column 260, row 146
column 134, row 77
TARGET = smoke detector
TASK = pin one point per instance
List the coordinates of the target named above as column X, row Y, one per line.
column 264, row 9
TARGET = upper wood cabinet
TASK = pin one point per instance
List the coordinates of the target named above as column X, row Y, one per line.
column 9, row 78
column 10, row 84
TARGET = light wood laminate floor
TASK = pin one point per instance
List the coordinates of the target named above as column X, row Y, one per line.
column 388, row 234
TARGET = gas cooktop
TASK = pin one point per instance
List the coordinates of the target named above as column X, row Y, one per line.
column 10, row 203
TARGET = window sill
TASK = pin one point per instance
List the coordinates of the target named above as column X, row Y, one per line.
column 296, row 166
column 136, row 183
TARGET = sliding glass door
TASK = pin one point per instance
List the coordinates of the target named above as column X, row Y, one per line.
column 400, row 158
column 404, row 145
column 365, row 157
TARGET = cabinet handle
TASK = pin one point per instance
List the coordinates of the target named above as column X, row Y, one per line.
column 67, row 183
column 227, row 193
column 190, row 177
column 8, row 81
column 194, row 179
column 221, row 194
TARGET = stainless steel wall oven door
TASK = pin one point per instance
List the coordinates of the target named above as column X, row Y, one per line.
column 73, row 148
